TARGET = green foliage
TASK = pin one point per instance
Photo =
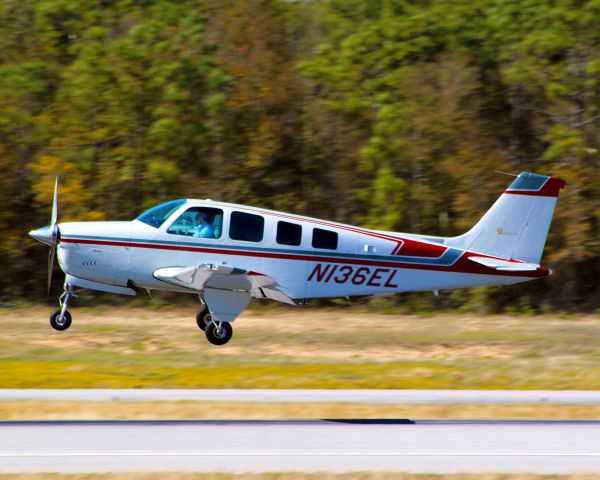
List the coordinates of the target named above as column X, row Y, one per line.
column 386, row 113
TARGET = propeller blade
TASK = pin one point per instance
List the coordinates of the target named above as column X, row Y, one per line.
column 54, row 230
column 50, row 266
column 54, row 217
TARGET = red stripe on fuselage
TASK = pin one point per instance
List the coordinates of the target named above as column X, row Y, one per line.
column 404, row 247
column 349, row 228
column 462, row 265
column 413, row 248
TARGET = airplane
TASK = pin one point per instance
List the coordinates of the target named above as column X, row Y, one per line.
column 228, row 253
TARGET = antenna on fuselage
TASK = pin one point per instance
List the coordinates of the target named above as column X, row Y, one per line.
column 505, row 173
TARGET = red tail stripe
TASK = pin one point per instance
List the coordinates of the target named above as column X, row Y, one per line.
column 551, row 188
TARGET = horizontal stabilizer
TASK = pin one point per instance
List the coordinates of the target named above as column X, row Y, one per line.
column 505, row 265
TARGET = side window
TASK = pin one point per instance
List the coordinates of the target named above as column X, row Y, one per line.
column 324, row 239
column 289, row 233
column 246, row 226
column 201, row 222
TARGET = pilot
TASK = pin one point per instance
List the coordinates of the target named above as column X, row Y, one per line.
column 204, row 230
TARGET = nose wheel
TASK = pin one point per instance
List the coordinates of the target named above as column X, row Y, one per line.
column 61, row 318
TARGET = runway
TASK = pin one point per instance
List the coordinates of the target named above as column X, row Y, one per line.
column 572, row 397
column 436, row 446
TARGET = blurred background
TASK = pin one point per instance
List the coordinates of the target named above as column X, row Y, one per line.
column 388, row 114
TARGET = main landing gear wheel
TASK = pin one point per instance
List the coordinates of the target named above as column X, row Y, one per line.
column 203, row 318
column 218, row 335
column 60, row 322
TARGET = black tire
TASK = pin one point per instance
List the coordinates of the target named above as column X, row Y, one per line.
column 60, row 325
column 218, row 338
column 203, row 318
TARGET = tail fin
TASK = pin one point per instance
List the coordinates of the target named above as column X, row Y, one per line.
column 517, row 224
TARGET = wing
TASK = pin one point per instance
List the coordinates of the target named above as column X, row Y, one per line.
column 505, row 265
column 223, row 277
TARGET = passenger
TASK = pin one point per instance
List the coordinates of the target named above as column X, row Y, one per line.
column 204, row 230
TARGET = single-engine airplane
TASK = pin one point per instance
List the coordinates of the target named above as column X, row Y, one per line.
column 227, row 254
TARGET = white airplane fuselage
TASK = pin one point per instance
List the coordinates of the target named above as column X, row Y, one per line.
column 365, row 262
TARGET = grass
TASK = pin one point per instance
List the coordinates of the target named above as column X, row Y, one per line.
column 298, row 348
column 213, row 410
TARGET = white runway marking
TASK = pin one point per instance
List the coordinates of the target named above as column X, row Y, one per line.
column 442, row 446
column 288, row 454
column 315, row 396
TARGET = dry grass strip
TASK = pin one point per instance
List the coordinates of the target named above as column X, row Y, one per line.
column 61, row 410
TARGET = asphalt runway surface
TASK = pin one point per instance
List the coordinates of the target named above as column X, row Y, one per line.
column 436, row 446
column 572, row 397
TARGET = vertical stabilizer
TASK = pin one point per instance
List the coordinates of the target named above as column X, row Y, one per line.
column 517, row 224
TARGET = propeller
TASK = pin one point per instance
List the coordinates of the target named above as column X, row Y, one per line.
column 50, row 235
column 54, row 233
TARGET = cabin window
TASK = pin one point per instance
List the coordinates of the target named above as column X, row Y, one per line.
column 324, row 239
column 246, row 227
column 289, row 233
column 200, row 222
column 156, row 216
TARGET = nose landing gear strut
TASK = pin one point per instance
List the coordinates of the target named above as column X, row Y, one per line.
column 61, row 318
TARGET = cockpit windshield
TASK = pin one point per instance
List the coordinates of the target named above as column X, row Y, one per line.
column 156, row 216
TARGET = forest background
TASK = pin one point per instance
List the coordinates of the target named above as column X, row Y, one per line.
column 388, row 114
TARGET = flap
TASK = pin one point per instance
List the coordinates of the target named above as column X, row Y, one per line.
column 274, row 294
column 505, row 265
column 223, row 277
